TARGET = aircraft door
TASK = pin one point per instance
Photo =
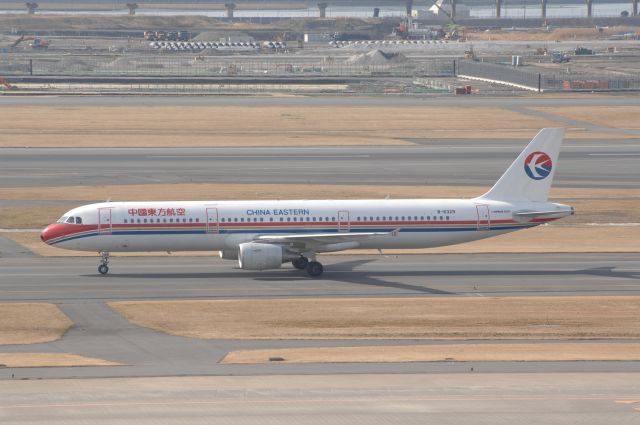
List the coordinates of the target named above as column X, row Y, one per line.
column 484, row 219
column 344, row 224
column 213, row 226
column 104, row 221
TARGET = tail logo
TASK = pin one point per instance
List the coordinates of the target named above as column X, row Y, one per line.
column 538, row 165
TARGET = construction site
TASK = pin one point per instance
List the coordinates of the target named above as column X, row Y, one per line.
column 426, row 51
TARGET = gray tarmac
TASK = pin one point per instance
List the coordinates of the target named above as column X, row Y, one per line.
column 321, row 100
column 461, row 399
column 75, row 286
column 583, row 163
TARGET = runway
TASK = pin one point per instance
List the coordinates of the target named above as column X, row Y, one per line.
column 319, row 100
column 500, row 399
column 583, row 163
column 74, row 285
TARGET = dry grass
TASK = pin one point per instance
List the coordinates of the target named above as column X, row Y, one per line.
column 31, row 323
column 58, row 126
column 30, row 217
column 438, row 353
column 571, row 234
column 50, row 360
column 612, row 116
column 537, row 240
column 542, row 35
column 392, row 318
column 237, row 191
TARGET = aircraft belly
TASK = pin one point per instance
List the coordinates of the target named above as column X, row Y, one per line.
column 428, row 239
column 148, row 243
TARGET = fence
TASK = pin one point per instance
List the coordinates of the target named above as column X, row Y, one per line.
column 500, row 74
column 195, row 65
column 537, row 81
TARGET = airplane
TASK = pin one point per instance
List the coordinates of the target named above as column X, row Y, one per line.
column 263, row 235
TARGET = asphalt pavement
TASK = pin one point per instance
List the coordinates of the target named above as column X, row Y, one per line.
column 583, row 163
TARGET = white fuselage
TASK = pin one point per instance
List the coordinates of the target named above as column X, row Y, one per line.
column 223, row 225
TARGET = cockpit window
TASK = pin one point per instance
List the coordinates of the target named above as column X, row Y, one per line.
column 78, row 220
column 62, row 219
column 71, row 220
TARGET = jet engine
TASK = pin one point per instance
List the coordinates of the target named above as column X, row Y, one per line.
column 229, row 254
column 260, row 256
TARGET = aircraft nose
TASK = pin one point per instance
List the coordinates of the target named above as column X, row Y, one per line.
column 47, row 233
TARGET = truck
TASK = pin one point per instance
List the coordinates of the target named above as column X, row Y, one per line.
column 559, row 57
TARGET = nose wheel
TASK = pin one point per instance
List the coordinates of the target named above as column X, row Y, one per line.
column 103, row 268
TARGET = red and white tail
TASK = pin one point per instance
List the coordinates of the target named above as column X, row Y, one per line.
column 529, row 177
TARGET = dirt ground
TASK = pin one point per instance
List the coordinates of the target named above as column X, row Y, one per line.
column 612, row 116
column 606, row 219
column 439, row 353
column 537, row 240
column 31, row 323
column 392, row 318
column 50, row 360
column 253, row 126
column 552, row 35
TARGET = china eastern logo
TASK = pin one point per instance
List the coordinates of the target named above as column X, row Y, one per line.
column 538, row 165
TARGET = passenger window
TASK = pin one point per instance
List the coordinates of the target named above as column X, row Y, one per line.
column 197, row 220
column 125, row 221
column 261, row 219
column 138, row 220
column 270, row 218
column 281, row 219
column 295, row 219
column 170, row 220
column 235, row 219
column 190, row 220
column 222, row 220
column 288, row 218
column 255, row 219
column 319, row 218
column 242, row 219
column 145, row 220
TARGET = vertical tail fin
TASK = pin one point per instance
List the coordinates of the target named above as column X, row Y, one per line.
column 529, row 177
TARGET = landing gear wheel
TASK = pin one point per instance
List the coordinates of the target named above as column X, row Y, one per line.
column 300, row 263
column 314, row 269
column 103, row 268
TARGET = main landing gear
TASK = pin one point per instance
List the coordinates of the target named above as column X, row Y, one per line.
column 313, row 268
column 103, row 268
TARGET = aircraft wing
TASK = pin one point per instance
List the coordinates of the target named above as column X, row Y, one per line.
column 318, row 239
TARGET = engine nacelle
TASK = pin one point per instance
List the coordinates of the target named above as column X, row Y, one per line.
column 229, row 255
column 260, row 256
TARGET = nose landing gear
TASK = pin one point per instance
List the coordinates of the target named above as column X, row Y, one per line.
column 103, row 268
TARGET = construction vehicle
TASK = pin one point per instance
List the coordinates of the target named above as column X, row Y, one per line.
column 39, row 44
column 6, row 84
column 583, row 51
column 559, row 57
